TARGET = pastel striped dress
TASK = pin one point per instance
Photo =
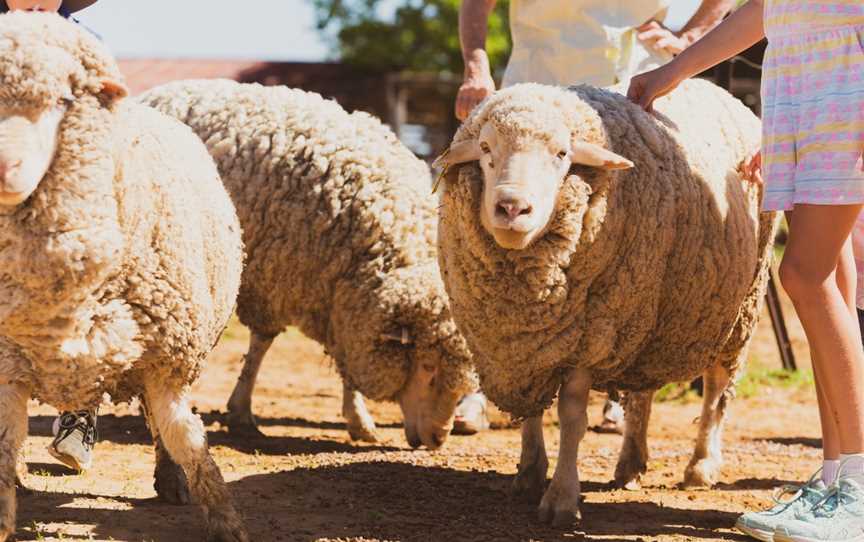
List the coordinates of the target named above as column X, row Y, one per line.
column 813, row 103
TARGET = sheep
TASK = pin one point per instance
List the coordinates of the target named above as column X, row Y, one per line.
column 340, row 226
column 586, row 244
column 120, row 254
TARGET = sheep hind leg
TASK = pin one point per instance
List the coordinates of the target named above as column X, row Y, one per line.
column 185, row 440
column 360, row 424
column 13, row 431
column 169, row 480
column 633, row 459
column 240, row 419
column 530, row 481
column 560, row 504
column 704, row 467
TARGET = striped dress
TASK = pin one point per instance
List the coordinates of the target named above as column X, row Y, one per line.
column 813, row 103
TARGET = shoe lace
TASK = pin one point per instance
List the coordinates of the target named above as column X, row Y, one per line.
column 833, row 498
column 796, row 490
column 83, row 421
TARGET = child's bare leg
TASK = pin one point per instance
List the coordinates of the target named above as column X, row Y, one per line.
column 809, row 273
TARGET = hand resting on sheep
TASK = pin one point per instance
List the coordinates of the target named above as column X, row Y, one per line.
column 586, row 244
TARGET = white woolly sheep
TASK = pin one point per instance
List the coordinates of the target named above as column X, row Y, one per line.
column 120, row 254
column 339, row 225
column 570, row 267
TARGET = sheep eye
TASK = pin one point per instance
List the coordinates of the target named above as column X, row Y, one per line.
column 485, row 147
column 562, row 155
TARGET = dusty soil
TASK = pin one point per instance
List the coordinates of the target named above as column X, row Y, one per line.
column 305, row 480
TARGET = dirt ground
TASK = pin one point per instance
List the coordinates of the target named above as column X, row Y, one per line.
column 305, row 480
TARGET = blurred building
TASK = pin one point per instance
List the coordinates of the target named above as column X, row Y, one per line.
column 417, row 106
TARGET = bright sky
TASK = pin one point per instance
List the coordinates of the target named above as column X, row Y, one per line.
column 260, row 29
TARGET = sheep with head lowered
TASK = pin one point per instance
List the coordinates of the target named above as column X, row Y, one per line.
column 586, row 244
column 339, row 226
column 120, row 254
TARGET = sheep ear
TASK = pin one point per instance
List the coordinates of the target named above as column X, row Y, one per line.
column 113, row 90
column 459, row 153
column 588, row 154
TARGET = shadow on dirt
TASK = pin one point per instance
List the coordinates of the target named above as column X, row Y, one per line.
column 376, row 500
column 218, row 416
column 794, row 441
column 132, row 430
column 746, row 484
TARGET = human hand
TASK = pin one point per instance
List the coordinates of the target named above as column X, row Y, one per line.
column 648, row 86
column 751, row 169
column 659, row 38
column 477, row 85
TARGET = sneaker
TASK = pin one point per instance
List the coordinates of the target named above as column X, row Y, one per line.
column 74, row 437
column 838, row 516
column 762, row 525
column 613, row 418
column 471, row 415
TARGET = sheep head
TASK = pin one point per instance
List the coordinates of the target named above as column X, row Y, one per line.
column 525, row 148
column 438, row 363
column 47, row 65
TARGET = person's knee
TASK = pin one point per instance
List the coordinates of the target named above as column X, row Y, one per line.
column 802, row 282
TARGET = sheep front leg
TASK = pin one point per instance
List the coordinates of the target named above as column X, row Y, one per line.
column 360, row 424
column 560, row 504
column 633, row 459
column 13, row 431
column 185, row 440
column 704, row 467
column 530, row 480
column 240, row 419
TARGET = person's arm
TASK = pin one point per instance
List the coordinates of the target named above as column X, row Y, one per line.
column 709, row 15
column 737, row 33
column 477, row 82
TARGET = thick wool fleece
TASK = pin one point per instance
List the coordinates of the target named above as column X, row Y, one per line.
column 339, row 225
column 645, row 276
column 127, row 257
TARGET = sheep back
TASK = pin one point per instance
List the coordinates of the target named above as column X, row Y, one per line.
column 339, row 225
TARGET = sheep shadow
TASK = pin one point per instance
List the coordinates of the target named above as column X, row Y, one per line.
column 399, row 501
column 285, row 421
column 133, row 430
column 131, row 519
column 372, row 500
column 808, row 442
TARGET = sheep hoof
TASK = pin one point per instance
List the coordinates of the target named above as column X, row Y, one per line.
column 632, row 484
column 529, row 482
column 559, row 507
column 7, row 513
column 702, row 473
column 243, row 425
column 20, row 472
column 224, row 525
column 362, row 433
column 628, row 475
column 171, row 484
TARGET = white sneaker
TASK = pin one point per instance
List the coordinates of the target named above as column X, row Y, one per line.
column 837, row 517
column 761, row 525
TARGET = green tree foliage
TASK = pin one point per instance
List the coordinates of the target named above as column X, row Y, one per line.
column 421, row 35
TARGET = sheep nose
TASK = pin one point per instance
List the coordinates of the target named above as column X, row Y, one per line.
column 6, row 168
column 512, row 207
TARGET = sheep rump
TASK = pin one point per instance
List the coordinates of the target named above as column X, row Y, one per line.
column 644, row 277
